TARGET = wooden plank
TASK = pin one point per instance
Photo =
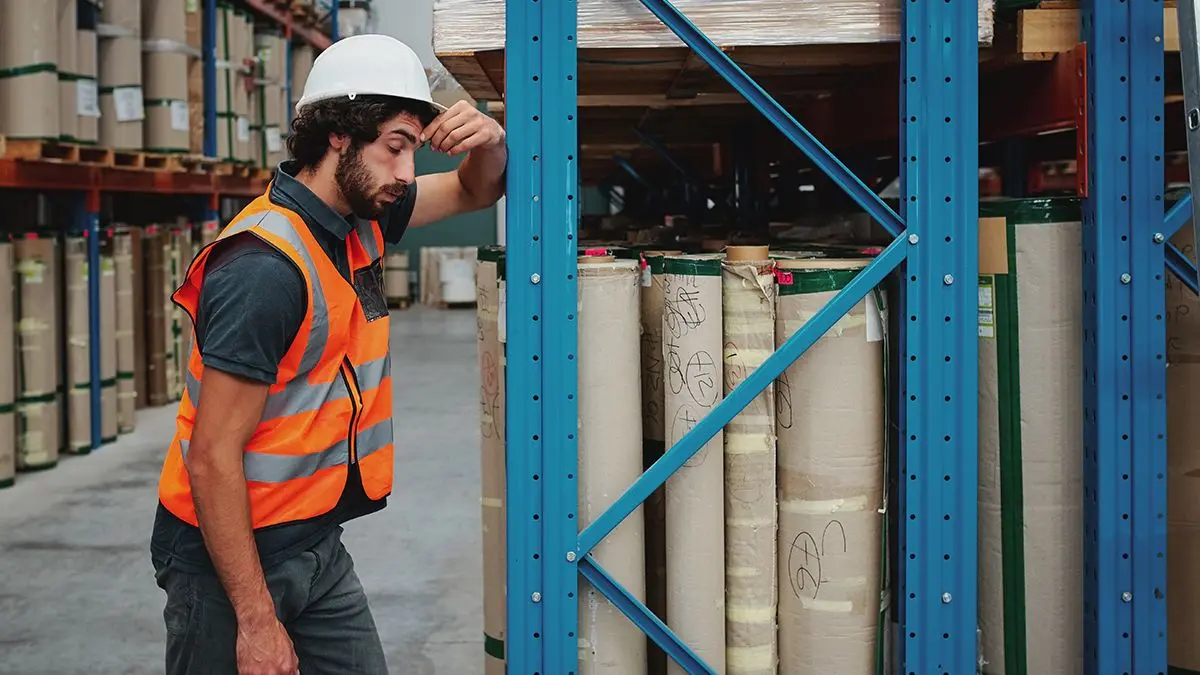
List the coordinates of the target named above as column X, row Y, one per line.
column 1043, row 32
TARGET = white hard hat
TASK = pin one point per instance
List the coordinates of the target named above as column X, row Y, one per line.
column 368, row 65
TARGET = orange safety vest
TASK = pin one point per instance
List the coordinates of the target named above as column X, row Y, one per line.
column 331, row 403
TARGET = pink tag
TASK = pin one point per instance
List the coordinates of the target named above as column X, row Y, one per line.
column 784, row 278
column 595, row 251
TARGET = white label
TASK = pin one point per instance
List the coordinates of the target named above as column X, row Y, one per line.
column 646, row 276
column 502, row 316
column 128, row 102
column 87, row 98
column 180, row 120
column 987, row 307
column 874, row 320
column 274, row 140
column 243, row 129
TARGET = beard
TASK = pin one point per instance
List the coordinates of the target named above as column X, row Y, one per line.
column 355, row 183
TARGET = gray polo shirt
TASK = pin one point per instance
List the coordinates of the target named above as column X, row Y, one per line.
column 252, row 304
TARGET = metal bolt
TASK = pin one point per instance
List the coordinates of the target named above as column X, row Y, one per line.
column 537, row 597
column 1125, row 278
column 1127, row 597
column 912, row 239
column 946, row 598
column 535, row 278
column 1159, row 238
column 948, row 279
column 570, row 556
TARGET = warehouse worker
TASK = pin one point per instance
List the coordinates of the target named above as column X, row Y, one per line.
column 284, row 432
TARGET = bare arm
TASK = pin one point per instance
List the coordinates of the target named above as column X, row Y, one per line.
column 479, row 180
column 228, row 412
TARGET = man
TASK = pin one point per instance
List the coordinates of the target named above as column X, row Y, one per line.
column 285, row 432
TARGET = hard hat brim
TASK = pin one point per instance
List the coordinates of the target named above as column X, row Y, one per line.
column 434, row 107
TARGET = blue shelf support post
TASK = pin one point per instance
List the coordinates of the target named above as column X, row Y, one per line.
column 542, row 214
column 91, row 230
column 1124, row 341
column 940, row 206
column 209, row 48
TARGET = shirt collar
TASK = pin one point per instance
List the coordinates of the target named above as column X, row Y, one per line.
column 288, row 191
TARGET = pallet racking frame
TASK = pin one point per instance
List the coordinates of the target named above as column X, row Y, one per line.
column 85, row 184
column 936, row 252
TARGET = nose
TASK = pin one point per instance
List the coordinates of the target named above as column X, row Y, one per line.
column 405, row 170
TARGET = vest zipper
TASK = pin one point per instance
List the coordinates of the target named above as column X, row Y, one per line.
column 355, row 406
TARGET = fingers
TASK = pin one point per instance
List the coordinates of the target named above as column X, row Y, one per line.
column 450, row 119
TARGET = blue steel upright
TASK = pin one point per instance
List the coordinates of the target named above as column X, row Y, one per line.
column 940, row 204
column 1124, row 340
column 940, row 139
column 542, row 209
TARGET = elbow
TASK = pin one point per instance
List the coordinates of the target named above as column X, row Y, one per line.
column 204, row 465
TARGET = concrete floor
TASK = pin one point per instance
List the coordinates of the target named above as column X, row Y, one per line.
column 77, row 594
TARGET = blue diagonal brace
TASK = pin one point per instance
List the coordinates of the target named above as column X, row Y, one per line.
column 1184, row 269
column 870, row 277
column 654, row 628
column 776, row 114
column 1178, row 216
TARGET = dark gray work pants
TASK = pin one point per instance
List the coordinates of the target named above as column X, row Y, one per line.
column 318, row 599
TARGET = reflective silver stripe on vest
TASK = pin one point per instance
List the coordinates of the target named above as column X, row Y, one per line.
column 298, row 396
column 262, row 467
column 366, row 234
column 278, row 224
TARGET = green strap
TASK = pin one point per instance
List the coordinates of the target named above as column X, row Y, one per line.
column 32, row 69
column 493, row 647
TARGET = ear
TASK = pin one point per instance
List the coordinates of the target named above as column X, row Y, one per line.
column 338, row 142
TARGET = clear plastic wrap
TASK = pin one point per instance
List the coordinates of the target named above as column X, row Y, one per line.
column 478, row 25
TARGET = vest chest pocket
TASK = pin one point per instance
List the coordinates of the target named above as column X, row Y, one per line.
column 368, row 285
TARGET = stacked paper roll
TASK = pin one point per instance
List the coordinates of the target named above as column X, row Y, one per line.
column 122, row 110
column 39, row 435
column 693, row 339
column 492, row 471
column 748, row 280
column 165, row 66
column 79, row 355
column 610, row 458
column 87, row 86
column 235, row 51
column 8, row 368
column 268, row 110
column 831, row 478
column 68, row 64
column 29, row 91
column 122, row 244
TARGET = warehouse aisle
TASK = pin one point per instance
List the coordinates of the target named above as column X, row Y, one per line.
column 77, row 593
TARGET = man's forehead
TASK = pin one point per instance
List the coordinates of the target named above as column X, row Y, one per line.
column 405, row 124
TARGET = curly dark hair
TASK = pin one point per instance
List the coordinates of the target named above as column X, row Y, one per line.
column 360, row 119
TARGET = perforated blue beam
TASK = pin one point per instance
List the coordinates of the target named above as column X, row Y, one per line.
column 940, row 189
column 1124, row 340
column 541, row 367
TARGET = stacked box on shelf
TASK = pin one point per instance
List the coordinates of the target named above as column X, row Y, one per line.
column 165, row 68
column 122, row 257
column 29, row 91
column 87, row 84
column 68, row 67
column 447, row 275
column 268, row 111
column 235, row 48
column 122, row 109
column 39, row 410
column 8, row 366
column 139, row 263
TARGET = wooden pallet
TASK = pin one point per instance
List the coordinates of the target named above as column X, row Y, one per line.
column 399, row 303
column 199, row 163
column 53, row 151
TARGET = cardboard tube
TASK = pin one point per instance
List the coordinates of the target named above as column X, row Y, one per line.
column 610, row 458
column 8, row 371
column 492, row 466
column 692, row 337
column 830, row 421
column 748, row 280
